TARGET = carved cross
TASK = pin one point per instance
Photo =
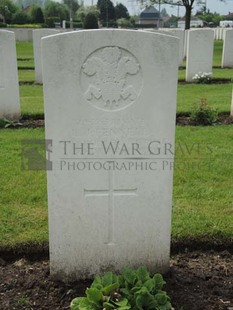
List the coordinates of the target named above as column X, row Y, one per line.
column 111, row 192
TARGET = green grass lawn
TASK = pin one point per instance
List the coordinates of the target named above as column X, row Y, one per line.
column 202, row 202
column 203, row 191
column 26, row 64
column 31, row 100
column 217, row 95
column 23, row 205
column 24, row 50
column 217, row 59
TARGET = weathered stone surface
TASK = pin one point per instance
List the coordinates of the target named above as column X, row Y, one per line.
column 9, row 87
column 110, row 105
column 38, row 34
column 227, row 55
column 199, row 52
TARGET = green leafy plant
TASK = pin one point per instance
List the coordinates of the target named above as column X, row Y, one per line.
column 132, row 289
column 204, row 114
column 6, row 123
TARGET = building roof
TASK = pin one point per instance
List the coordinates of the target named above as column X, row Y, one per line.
column 150, row 13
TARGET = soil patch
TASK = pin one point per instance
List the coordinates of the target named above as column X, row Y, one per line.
column 182, row 119
column 213, row 81
column 185, row 120
column 196, row 281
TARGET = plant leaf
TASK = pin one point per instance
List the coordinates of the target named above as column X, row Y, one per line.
column 108, row 305
column 161, row 298
column 129, row 275
column 110, row 288
column 97, row 283
column 81, row 303
column 159, row 282
column 94, row 296
column 143, row 274
column 150, row 285
column 107, row 279
column 146, row 301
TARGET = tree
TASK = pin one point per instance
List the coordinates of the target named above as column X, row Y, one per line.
column 121, row 11
column 90, row 21
column 107, row 11
column 164, row 13
column 171, row 22
column 84, row 10
column 72, row 6
column 124, row 23
column 20, row 18
column 209, row 17
column 188, row 4
column 36, row 14
column 55, row 9
column 39, row 16
column 7, row 9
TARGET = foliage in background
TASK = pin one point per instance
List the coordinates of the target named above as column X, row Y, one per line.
column 209, row 17
column 7, row 10
column 204, row 114
column 187, row 4
column 121, row 11
column 107, row 12
column 20, row 18
column 90, row 21
column 72, row 6
column 84, row 10
column 58, row 10
column 36, row 14
column 132, row 289
column 50, row 21
column 26, row 26
column 124, row 23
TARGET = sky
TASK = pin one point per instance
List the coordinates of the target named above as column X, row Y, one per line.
column 213, row 5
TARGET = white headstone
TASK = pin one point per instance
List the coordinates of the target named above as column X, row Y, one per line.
column 221, row 33
column 227, row 55
column 37, row 35
column 110, row 106
column 9, row 86
column 64, row 24
column 186, row 32
column 179, row 33
column 199, row 52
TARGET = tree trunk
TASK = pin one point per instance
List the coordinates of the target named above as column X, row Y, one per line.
column 188, row 9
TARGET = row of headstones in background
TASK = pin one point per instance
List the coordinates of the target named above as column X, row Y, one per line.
column 25, row 34
column 9, row 86
column 200, row 48
column 227, row 55
column 109, row 209
column 219, row 33
column 198, row 60
column 179, row 33
column 37, row 36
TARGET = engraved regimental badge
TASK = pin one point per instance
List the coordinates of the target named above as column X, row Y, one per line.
column 111, row 78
